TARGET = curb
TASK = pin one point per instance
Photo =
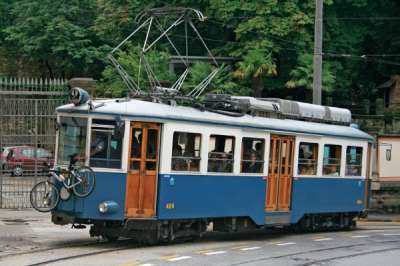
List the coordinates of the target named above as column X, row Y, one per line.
column 397, row 220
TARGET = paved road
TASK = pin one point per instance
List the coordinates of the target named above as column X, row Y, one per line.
column 37, row 241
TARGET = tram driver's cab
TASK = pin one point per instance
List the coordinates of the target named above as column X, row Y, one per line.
column 119, row 151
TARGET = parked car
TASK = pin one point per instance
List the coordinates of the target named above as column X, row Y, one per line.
column 25, row 159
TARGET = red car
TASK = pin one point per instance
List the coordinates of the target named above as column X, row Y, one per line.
column 21, row 159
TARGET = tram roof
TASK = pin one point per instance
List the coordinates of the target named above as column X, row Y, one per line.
column 149, row 110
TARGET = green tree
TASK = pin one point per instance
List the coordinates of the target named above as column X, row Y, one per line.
column 112, row 84
column 302, row 75
column 273, row 41
column 56, row 36
column 222, row 83
column 261, row 30
column 256, row 65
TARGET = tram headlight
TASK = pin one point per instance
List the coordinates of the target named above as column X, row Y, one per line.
column 103, row 207
column 78, row 96
column 108, row 207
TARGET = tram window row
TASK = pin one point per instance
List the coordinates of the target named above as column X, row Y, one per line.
column 106, row 149
column 186, row 156
column 308, row 160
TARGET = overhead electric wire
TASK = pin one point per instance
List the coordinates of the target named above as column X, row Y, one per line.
column 366, row 57
column 326, row 18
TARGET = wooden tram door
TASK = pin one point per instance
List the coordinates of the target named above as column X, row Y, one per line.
column 280, row 173
column 141, row 184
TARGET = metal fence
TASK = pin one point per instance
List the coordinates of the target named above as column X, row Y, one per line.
column 27, row 135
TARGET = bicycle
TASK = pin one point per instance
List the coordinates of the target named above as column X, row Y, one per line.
column 45, row 195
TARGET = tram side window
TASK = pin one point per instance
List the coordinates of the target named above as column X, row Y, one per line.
column 353, row 161
column 221, row 154
column 72, row 138
column 332, row 157
column 106, row 144
column 308, row 158
column 252, row 155
column 186, row 152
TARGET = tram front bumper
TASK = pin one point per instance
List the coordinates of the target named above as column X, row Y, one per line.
column 61, row 218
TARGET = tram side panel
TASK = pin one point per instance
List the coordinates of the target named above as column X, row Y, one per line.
column 320, row 193
column 211, row 196
column 109, row 187
column 326, row 195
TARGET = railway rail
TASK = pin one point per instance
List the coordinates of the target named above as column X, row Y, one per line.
column 249, row 262
column 323, row 250
column 357, row 243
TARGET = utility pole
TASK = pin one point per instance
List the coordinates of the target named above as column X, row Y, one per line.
column 317, row 78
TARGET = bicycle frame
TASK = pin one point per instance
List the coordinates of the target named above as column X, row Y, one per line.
column 66, row 180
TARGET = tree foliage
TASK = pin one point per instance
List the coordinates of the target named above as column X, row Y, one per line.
column 111, row 82
column 55, row 35
column 272, row 40
column 302, row 75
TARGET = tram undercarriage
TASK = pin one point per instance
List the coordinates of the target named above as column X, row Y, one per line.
column 153, row 231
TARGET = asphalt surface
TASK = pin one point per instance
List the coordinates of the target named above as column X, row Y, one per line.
column 29, row 238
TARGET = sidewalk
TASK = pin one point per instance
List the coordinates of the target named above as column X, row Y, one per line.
column 27, row 230
column 383, row 217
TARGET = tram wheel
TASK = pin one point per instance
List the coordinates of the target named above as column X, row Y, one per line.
column 44, row 196
column 86, row 186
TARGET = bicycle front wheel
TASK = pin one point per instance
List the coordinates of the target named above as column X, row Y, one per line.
column 84, row 180
column 44, row 196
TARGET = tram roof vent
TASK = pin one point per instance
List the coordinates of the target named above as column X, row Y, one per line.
column 258, row 104
column 312, row 112
column 274, row 107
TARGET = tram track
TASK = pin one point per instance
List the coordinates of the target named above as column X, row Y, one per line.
column 323, row 250
column 350, row 256
column 60, row 247
column 83, row 255
column 126, row 244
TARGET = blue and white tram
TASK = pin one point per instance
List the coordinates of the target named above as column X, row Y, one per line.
column 165, row 171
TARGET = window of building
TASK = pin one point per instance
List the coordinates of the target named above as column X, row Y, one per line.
column 308, row 158
column 332, row 157
column 353, row 161
column 186, row 152
column 388, row 154
column 105, row 145
column 221, row 154
column 252, row 155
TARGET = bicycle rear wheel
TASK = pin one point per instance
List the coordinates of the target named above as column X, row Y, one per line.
column 44, row 196
column 87, row 183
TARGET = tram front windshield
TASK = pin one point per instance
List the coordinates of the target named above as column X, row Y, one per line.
column 71, row 139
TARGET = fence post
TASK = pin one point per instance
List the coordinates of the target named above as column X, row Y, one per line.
column 1, row 147
column 1, row 170
column 36, row 132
